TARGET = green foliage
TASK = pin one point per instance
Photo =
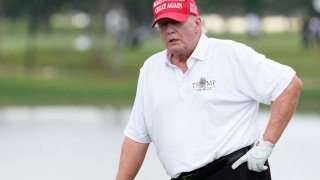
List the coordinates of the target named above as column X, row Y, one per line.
column 141, row 12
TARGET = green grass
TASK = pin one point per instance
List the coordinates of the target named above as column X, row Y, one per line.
column 63, row 75
column 18, row 90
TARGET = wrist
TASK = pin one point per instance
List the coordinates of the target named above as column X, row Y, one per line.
column 269, row 138
column 267, row 143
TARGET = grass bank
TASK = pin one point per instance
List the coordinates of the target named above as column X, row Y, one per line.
column 63, row 75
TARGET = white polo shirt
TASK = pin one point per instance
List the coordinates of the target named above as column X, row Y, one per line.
column 211, row 110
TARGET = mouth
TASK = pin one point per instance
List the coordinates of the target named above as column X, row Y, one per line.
column 173, row 40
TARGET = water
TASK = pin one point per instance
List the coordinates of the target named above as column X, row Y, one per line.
column 83, row 143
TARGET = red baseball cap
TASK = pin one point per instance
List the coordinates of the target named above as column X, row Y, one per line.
column 178, row 10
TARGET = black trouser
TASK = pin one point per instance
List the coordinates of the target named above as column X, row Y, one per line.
column 241, row 173
column 220, row 169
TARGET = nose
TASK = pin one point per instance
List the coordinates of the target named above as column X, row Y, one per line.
column 170, row 28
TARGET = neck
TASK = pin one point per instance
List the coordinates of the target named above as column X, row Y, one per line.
column 180, row 61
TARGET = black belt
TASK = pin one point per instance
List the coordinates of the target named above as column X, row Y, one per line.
column 213, row 166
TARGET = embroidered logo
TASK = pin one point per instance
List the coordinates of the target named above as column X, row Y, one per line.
column 203, row 85
column 193, row 8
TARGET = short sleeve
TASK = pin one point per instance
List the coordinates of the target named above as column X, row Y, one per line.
column 261, row 78
column 136, row 128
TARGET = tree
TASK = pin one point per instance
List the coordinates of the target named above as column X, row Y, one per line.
column 99, row 30
column 117, row 24
column 1, row 17
column 139, row 13
column 37, row 13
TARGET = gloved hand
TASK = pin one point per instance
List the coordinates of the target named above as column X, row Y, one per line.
column 256, row 156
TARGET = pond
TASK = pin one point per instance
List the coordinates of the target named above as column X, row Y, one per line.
column 83, row 143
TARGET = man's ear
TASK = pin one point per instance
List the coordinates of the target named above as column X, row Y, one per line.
column 198, row 25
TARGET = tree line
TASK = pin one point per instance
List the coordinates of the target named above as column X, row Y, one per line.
column 38, row 12
column 140, row 11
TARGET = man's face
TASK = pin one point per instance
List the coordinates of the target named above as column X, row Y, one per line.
column 179, row 37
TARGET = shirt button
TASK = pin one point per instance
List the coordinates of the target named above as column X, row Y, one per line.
column 183, row 91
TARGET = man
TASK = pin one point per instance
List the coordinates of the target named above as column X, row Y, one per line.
column 198, row 102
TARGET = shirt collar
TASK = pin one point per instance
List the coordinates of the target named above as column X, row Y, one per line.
column 199, row 52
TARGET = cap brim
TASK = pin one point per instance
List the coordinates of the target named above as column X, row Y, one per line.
column 180, row 17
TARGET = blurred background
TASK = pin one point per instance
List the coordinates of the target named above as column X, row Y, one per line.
column 62, row 52
column 68, row 74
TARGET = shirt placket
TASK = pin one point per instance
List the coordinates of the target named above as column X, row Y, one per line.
column 182, row 79
column 183, row 89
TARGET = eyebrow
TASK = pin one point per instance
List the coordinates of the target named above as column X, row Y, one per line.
column 166, row 21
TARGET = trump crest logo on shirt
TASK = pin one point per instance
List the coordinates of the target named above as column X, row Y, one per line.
column 203, row 85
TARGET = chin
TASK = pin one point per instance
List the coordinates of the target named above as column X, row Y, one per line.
column 176, row 49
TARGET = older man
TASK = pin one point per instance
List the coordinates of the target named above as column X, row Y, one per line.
column 198, row 102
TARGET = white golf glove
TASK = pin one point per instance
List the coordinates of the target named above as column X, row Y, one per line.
column 256, row 156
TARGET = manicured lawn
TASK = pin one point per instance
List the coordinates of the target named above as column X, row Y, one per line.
column 63, row 75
